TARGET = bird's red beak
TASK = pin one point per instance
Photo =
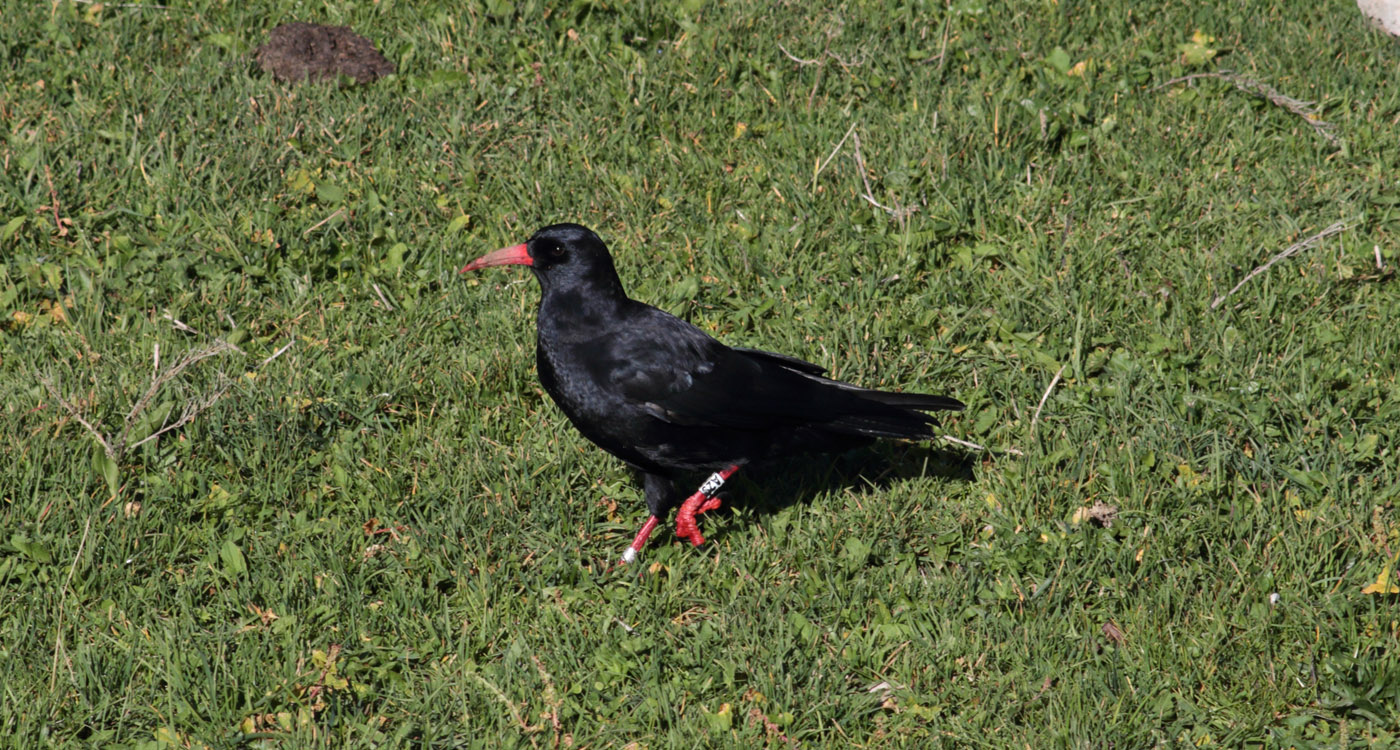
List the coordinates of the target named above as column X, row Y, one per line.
column 515, row 255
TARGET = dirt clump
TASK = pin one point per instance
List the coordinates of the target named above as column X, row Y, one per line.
column 297, row 52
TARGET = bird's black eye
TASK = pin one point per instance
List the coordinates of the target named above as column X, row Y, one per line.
column 555, row 251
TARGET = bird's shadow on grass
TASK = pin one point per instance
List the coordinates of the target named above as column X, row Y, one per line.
column 767, row 487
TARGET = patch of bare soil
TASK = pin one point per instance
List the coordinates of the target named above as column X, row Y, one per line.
column 297, row 52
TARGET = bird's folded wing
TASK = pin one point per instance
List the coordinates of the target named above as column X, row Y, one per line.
column 682, row 375
column 729, row 390
column 792, row 363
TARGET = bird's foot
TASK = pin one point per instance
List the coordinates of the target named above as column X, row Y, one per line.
column 686, row 526
column 703, row 500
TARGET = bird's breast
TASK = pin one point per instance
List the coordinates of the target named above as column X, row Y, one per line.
column 602, row 416
column 567, row 372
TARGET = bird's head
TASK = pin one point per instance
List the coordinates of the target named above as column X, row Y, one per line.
column 561, row 256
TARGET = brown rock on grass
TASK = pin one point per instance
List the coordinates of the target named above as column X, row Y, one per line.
column 297, row 52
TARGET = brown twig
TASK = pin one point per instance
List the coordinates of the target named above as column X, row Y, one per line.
column 322, row 222
column 797, row 59
column 277, row 353
column 180, row 325
column 976, row 447
column 73, row 412
column 58, row 224
column 822, row 165
column 384, row 300
column 1044, row 396
column 1303, row 109
column 820, row 61
column 900, row 213
column 1291, row 250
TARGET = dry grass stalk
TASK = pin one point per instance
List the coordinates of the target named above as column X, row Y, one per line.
column 117, row 445
column 1305, row 110
column 900, row 213
column 1291, row 250
column 1053, row 381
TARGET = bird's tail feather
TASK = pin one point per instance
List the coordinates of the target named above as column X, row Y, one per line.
column 894, row 415
column 911, row 427
column 886, row 414
column 920, row 401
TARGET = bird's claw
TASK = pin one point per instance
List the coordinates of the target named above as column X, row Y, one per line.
column 686, row 526
column 703, row 500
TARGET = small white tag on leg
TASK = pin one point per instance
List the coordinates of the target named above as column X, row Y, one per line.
column 712, row 485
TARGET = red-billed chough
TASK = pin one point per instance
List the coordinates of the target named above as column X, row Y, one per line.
column 665, row 397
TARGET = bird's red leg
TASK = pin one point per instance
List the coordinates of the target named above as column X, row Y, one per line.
column 639, row 541
column 704, row 499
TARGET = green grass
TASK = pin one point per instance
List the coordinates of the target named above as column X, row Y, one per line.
column 389, row 536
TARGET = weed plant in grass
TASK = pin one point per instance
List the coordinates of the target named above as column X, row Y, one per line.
column 385, row 535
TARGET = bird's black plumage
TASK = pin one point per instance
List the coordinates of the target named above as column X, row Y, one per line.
column 666, row 397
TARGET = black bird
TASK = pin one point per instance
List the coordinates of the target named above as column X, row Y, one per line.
column 665, row 397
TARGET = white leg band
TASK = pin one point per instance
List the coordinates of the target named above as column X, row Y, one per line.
column 712, row 485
